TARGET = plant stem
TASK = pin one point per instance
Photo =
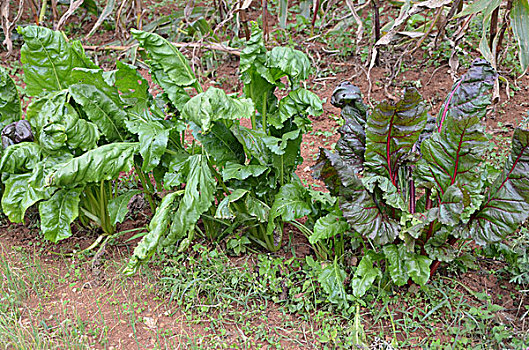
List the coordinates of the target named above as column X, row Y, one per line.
column 148, row 190
column 377, row 27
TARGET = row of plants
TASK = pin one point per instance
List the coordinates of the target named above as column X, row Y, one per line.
column 406, row 189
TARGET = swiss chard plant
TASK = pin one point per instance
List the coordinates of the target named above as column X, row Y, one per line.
column 83, row 128
column 237, row 176
column 415, row 186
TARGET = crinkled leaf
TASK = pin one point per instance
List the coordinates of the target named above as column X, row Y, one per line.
column 357, row 204
column 102, row 163
column 198, row 197
column 438, row 248
column 16, row 132
column 118, row 207
column 158, row 228
column 153, row 138
column 364, row 276
column 290, row 204
column 332, row 279
column 328, row 226
column 451, row 205
column 469, row 97
column 295, row 64
column 10, row 108
column 506, row 203
column 390, row 193
column 22, row 191
column 133, row 88
column 221, row 144
column 453, row 157
column 241, row 172
column 298, row 104
column 253, row 143
column 20, row 158
column 352, row 143
column 167, row 57
column 48, row 60
column 83, row 135
column 57, row 214
column 212, row 105
column 101, row 103
column 391, row 132
column 258, row 209
column 395, row 255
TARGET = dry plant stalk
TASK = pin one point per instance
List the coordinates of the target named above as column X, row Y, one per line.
column 7, row 25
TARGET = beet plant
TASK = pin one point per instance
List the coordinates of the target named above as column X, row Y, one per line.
column 415, row 186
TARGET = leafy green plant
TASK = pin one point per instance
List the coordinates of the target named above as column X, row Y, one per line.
column 413, row 186
column 83, row 124
column 232, row 177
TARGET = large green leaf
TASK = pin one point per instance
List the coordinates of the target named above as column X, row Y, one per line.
column 153, row 138
column 10, row 108
column 242, row 172
column 506, row 203
column 58, row 212
column 328, row 226
column 20, row 158
column 290, row 204
column 298, row 104
column 391, row 132
column 223, row 209
column 171, row 69
column 197, row 198
column 395, row 256
column 158, row 228
column 102, row 163
column 332, row 279
column 253, row 143
column 295, row 64
column 48, row 60
column 221, row 144
column 520, row 28
column 118, row 207
column 364, row 276
column 101, row 103
column 418, row 267
column 167, row 56
column 213, row 105
column 83, row 135
column 22, row 191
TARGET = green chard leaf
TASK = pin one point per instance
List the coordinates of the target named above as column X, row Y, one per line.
column 10, row 107
column 118, row 207
column 57, row 214
column 20, row 158
column 197, row 198
column 290, row 204
column 364, row 276
column 242, row 172
column 212, row 105
column 332, row 279
column 293, row 63
column 298, row 104
column 101, row 103
column 153, row 137
column 328, row 226
column 102, row 163
column 48, row 60
column 158, row 228
column 520, row 27
column 171, row 69
column 221, row 144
